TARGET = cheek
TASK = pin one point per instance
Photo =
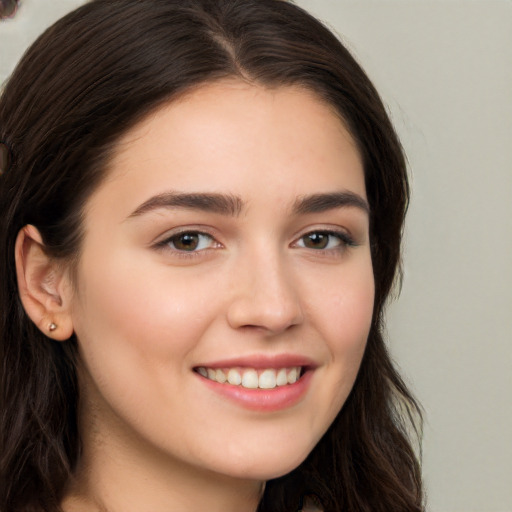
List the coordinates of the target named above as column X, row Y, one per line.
column 343, row 309
column 343, row 314
column 352, row 312
column 137, row 330
column 354, row 306
column 128, row 313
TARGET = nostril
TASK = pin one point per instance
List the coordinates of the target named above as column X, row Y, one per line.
column 264, row 298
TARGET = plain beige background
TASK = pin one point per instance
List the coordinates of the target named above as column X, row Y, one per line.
column 444, row 68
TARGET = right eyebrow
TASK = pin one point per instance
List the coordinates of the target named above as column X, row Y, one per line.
column 224, row 204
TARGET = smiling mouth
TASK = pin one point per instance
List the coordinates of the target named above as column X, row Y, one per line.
column 251, row 378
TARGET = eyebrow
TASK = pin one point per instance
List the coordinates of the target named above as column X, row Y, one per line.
column 318, row 203
column 231, row 205
column 223, row 204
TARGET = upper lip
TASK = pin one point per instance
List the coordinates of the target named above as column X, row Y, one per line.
column 261, row 361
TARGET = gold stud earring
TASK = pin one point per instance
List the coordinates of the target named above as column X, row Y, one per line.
column 52, row 327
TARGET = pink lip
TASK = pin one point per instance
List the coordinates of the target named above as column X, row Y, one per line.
column 263, row 400
column 261, row 361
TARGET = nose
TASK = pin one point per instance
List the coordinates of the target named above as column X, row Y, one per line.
column 264, row 296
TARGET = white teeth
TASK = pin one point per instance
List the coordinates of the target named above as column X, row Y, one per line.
column 220, row 376
column 281, row 379
column 234, row 377
column 293, row 376
column 267, row 379
column 251, row 378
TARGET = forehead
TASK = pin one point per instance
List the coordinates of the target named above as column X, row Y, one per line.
column 231, row 136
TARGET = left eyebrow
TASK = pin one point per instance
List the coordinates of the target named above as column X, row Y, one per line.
column 318, row 203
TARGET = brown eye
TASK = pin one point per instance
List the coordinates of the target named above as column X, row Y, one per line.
column 190, row 241
column 316, row 240
column 325, row 240
column 186, row 242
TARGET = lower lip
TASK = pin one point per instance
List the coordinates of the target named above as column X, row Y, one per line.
column 264, row 400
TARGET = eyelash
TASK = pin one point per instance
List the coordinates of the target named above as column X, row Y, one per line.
column 343, row 238
column 167, row 242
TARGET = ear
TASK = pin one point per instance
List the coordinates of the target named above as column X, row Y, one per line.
column 44, row 286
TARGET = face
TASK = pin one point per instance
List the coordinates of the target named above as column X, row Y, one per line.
column 225, row 289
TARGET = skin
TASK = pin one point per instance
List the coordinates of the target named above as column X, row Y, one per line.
column 146, row 314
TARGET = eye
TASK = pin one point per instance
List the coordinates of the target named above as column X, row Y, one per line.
column 189, row 241
column 325, row 240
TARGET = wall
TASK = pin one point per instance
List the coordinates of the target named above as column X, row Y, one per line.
column 444, row 68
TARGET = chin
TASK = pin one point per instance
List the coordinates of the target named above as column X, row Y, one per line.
column 266, row 464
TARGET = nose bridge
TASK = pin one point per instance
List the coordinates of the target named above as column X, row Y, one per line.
column 264, row 294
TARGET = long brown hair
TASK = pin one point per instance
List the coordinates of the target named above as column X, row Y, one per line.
column 83, row 84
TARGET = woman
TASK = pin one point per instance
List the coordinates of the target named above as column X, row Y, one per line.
column 201, row 223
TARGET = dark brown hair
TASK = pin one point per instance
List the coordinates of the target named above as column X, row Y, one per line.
column 85, row 82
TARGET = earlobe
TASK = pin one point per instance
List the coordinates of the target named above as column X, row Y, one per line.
column 43, row 284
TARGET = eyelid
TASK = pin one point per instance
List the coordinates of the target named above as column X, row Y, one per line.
column 333, row 229
column 345, row 238
column 201, row 229
column 163, row 242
